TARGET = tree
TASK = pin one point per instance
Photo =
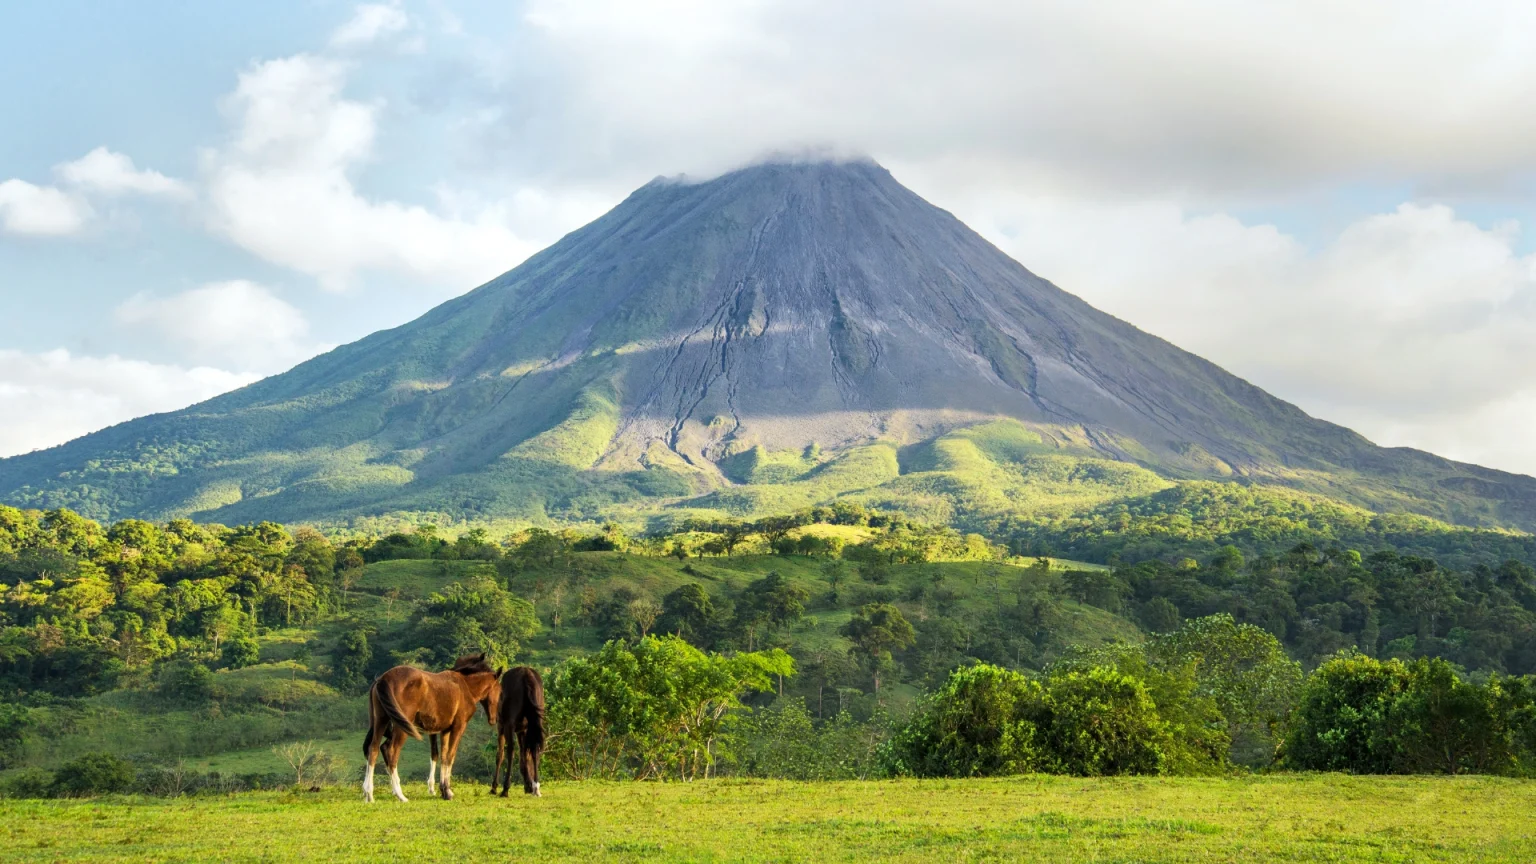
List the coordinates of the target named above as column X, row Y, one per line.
column 240, row 652
column 1101, row 722
column 876, row 630
column 351, row 658
column 980, row 723
column 688, row 612
column 187, row 682
column 644, row 611
column 1243, row 667
column 473, row 616
column 1341, row 723
column 653, row 709
column 769, row 603
column 93, row 774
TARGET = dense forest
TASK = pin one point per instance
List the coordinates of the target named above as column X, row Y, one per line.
column 841, row 641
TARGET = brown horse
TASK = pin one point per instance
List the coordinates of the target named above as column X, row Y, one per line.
column 522, row 715
column 407, row 701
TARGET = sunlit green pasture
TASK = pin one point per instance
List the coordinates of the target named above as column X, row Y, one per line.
column 1271, row 818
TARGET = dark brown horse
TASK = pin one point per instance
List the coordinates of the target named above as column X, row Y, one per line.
column 407, row 701
column 521, row 715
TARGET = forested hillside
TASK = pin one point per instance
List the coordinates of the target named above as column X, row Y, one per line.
column 184, row 643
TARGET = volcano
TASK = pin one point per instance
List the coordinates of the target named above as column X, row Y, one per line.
column 707, row 336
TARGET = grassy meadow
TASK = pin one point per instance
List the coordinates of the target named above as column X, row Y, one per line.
column 1035, row 818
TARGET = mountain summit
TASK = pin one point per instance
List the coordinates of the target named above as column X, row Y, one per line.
column 749, row 330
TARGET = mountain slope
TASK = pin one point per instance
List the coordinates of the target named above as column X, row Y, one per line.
column 787, row 315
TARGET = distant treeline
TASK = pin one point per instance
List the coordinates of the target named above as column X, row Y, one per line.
column 1196, row 519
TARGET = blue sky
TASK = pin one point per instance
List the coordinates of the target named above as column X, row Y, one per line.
column 1325, row 198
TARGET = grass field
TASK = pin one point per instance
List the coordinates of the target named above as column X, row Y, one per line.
column 1271, row 818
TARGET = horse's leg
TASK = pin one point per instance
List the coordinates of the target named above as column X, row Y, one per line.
column 506, row 779
column 533, row 760
column 522, row 762
column 529, row 766
column 432, row 766
column 501, row 750
column 371, row 753
column 392, row 761
column 445, row 777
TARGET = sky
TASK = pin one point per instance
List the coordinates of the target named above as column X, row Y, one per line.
column 1329, row 198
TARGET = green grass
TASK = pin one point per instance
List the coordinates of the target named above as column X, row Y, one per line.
column 1274, row 818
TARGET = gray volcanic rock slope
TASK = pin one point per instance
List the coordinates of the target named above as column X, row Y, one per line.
column 778, row 306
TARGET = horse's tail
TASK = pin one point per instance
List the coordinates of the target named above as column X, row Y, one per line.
column 385, row 700
column 368, row 739
column 533, row 700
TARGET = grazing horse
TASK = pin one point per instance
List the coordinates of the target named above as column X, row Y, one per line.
column 522, row 715
column 407, row 701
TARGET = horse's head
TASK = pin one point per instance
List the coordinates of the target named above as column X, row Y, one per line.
column 492, row 700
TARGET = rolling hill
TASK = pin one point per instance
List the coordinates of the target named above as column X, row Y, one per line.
column 774, row 337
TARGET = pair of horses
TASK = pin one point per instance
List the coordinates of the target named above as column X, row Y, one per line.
column 409, row 701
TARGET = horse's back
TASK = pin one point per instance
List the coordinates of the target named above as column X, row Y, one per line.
column 522, row 691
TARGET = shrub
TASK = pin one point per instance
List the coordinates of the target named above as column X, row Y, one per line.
column 1369, row 716
column 350, row 661
column 240, row 652
column 186, row 681
column 28, row 783
column 15, row 722
column 93, row 774
column 979, row 724
column 653, row 709
column 988, row 721
column 1101, row 722
column 785, row 742
column 1341, row 721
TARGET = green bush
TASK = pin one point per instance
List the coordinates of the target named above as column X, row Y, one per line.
column 93, row 774
column 15, row 722
column 28, row 783
column 1101, row 722
column 240, row 652
column 1341, row 723
column 1369, row 716
column 186, row 681
column 350, row 660
column 785, row 742
column 981, row 723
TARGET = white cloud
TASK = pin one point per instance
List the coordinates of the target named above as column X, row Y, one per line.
column 1198, row 95
column 1412, row 327
column 109, row 173
column 236, row 323
column 40, row 210
column 369, row 23
column 55, row 396
column 282, row 189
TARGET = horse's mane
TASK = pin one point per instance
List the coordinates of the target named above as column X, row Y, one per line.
column 472, row 665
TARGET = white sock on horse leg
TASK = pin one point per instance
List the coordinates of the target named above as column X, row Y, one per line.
column 368, row 783
column 431, row 776
column 394, row 783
